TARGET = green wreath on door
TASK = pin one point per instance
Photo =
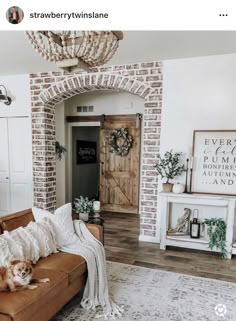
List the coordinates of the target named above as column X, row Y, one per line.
column 112, row 139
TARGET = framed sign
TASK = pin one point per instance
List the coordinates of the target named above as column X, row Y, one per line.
column 214, row 162
column 86, row 152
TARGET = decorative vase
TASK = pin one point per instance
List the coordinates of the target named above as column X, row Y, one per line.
column 178, row 188
column 84, row 216
column 167, row 187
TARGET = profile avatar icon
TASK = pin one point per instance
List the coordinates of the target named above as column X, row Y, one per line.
column 14, row 15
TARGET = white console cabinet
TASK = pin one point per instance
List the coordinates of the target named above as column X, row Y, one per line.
column 172, row 207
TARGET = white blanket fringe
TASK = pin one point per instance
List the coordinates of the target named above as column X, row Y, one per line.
column 96, row 289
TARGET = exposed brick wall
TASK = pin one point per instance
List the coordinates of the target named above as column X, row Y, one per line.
column 47, row 89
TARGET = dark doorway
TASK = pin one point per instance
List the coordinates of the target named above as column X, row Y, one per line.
column 85, row 161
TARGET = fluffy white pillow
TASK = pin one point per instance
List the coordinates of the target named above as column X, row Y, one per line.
column 39, row 214
column 46, row 240
column 62, row 223
column 32, row 242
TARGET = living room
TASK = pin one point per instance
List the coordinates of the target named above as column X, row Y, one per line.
column 168, row 100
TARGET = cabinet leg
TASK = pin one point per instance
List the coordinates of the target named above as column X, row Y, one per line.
column 162, row 247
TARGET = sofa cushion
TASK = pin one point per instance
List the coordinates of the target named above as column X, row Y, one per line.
column 22, row 305
column 71, row 264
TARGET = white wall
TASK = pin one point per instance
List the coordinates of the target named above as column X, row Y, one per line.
column 105, row 102
column 18, row 88
column 198, row 93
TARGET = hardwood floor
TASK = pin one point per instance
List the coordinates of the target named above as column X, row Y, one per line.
column 122, row 245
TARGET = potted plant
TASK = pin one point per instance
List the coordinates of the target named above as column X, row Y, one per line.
column 83, row 207
column 169, row 167
column 60, row 150
column 216, row 230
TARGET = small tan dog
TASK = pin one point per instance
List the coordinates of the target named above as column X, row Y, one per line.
column 18, row 276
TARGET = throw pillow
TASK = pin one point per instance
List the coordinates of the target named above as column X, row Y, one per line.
column 46, row 236
column 32, row 242
column 62, row 223
column 39, row 214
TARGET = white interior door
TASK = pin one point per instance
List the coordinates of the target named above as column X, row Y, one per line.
column 4, row 168
column 20, row 160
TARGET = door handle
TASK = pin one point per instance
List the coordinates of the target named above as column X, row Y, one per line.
column 7, row 177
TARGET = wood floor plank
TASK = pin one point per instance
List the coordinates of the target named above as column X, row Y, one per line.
column 122, row 245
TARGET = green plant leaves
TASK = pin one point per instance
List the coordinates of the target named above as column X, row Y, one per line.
column 111, row 140
column 83, row 204
column 217, row 234
column 168, row 166
column 60, row 150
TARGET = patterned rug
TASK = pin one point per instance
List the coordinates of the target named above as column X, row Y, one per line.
column 155, row 295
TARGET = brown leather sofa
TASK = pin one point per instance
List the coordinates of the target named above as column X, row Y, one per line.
column 67, row 273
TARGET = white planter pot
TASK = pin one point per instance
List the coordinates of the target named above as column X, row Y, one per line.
column 84, row 216
column 178, row 188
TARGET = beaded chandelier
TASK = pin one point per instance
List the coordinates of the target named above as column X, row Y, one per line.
column 73, row 50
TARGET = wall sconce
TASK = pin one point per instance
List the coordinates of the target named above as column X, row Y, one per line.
column 3, row 96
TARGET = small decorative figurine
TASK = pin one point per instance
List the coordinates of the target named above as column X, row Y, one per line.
column 182, row 227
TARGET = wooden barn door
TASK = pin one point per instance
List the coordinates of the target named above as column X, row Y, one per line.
column 119, row 175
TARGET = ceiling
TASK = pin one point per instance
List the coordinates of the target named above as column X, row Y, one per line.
column 17, row 56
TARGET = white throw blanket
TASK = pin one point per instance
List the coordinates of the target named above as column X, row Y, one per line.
column 96, row 289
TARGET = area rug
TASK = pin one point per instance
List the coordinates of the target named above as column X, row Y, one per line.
column 156, row 295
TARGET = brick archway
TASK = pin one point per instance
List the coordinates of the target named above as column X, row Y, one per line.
column 48, row 89
column 91, row 82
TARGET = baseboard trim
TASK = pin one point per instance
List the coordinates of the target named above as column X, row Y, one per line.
column 151, row 239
